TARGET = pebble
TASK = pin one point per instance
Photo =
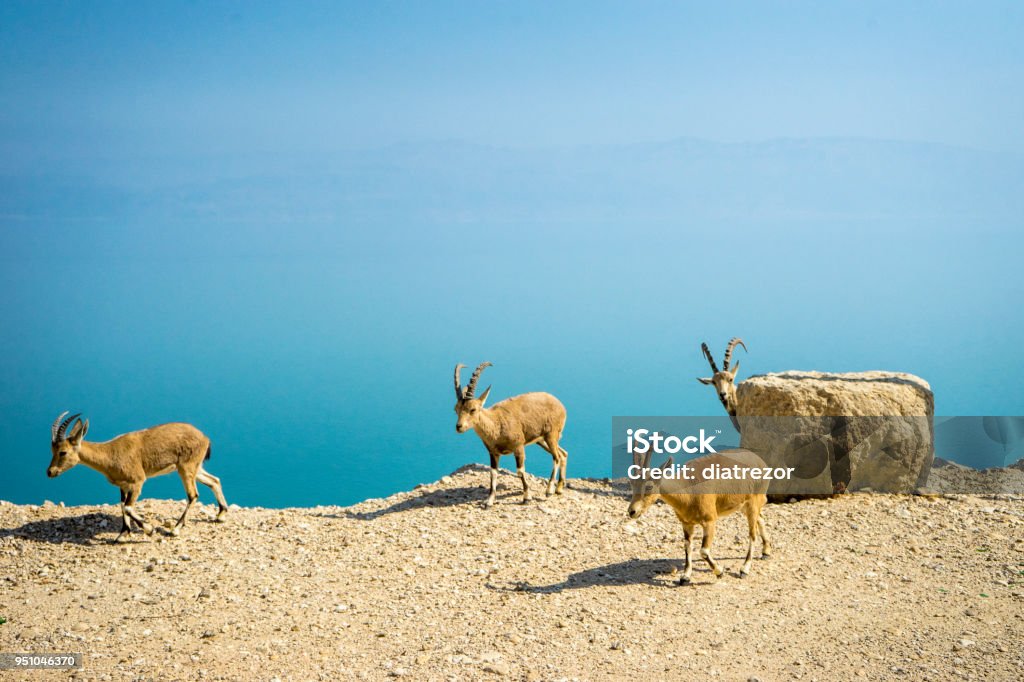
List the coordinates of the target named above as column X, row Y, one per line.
column 497, row 668
column 963, row 644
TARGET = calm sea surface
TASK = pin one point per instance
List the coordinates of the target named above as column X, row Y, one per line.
column 317, row 351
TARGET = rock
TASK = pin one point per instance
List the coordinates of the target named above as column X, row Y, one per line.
column 963, row 644
column 497, row 668
column 862, row 430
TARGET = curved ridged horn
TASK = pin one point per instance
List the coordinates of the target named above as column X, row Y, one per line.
column 707, row 354
column 59, row 427
column 55, row 426
column 458, row 383
column 735, row 341
column 471, row 387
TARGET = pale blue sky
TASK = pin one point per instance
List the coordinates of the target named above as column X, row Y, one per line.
column 123, row 79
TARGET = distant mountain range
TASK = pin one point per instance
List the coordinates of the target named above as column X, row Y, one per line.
column 786, row 179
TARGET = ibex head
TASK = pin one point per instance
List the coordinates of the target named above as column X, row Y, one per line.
column 724, row 380
column 65, row 446
column 467, row 406
column 645, row 489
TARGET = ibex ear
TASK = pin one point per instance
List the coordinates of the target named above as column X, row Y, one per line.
column 735, row 369
column 483, row 398
column 78, row 432
column 667, row 463
column 706, row 382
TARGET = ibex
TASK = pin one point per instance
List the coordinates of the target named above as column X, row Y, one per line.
column 128, row 460
column 511, row 425
column 724, row 381
column 694, row 508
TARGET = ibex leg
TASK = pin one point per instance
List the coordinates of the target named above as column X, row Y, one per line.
column 495, row 457
column 562, row 483
column 705, row 547
column 556, row 458
column 129, row 508
column 213, row 483
column 126, row 525
column 766, row 547
column 752, row 518
column 520, row 455
column 688, row 561
column 191, row 495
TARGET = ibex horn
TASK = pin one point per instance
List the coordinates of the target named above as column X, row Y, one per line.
column 707, row 354
column 458, row 383
column 55, row 425
column 471, row 387
column 59, row 427
column 736, row 341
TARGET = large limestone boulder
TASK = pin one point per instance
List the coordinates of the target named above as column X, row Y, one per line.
column 854, row 430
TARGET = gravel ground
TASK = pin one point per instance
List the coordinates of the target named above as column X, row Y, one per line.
column 428, row 585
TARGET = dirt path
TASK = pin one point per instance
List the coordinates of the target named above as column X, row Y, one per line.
column 428, row 585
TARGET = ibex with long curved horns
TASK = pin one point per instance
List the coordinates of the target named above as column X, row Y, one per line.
column 510, row 425
column 128, row 460
column 724, row 380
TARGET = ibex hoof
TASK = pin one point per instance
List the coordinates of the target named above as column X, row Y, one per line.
column 766, row 555
column 488, row 504
column 525, row 500
column 220, row 516
column 744, row 573
column 685, row 580
column 122, row 538
column 176, row 531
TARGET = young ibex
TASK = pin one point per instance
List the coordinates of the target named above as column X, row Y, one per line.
column 724, row 381
column 128, row 460
column 510, row 426
column 695, row 508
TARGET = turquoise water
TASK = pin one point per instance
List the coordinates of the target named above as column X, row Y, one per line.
column 308, row 318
